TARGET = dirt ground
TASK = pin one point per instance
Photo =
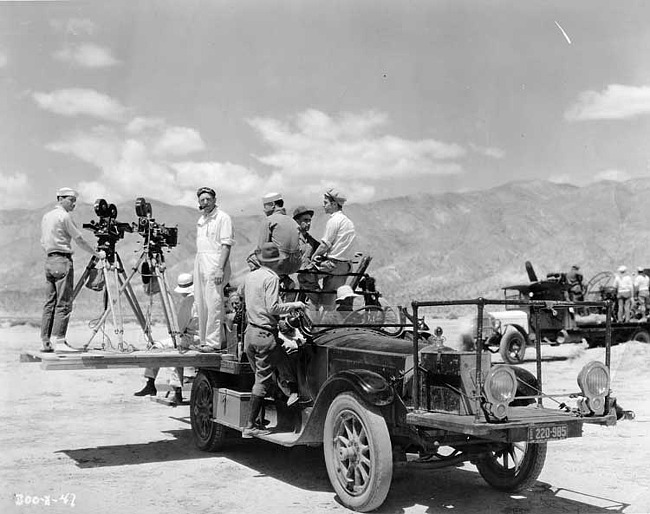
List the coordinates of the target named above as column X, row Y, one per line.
column 83, row 437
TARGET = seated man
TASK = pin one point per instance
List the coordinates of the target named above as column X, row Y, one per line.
column 261, row 340
column 188, row 326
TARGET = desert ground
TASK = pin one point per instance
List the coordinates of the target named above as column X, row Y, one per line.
column 82, row 437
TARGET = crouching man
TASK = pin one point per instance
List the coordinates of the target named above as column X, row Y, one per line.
column 188, row 326
column 261, row 341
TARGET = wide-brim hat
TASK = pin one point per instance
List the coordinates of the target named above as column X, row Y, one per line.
column 299, row 211
column 344, row 292
column 185, row 283
column 268, row 253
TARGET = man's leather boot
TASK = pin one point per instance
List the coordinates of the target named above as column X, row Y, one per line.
column 148, row 390
column 256, row 406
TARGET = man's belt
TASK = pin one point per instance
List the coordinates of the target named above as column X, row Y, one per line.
column 266, row 329
column 62, row 254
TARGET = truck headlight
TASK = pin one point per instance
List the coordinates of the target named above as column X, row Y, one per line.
column 593, row 381
column 500, row 388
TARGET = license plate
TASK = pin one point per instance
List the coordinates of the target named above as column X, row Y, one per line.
column 547, row 433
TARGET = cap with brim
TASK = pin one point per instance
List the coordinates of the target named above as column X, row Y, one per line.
column 268, row 253
column 185, row 283
column 299, row 211
column 344, row 292
column 640, row 268
column 208, row 190
column 66, row 191
column 271, row 197
column 336, row 196
column 622, row 269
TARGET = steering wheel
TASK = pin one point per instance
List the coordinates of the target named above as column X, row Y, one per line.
column 370, row 314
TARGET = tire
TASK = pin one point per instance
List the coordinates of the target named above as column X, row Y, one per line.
column 208, row 436
column 642, row 336
column 358, row 453
column 512, row 346
column 514, row 467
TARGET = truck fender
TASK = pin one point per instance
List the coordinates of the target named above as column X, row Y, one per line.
column 519, row 329
column 370, row 386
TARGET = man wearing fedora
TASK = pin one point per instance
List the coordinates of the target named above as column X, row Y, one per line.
column 214, row 238
column 261, row 340
column 188, row 326
column 336, row 249
column 280, row 229
column 57, row 232
column 307, row 279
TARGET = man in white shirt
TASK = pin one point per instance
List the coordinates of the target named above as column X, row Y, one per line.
column 335, row 252
column 57, row 232
column 624, row 291
column 214, row 238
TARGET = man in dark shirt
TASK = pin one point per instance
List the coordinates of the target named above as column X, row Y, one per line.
column 307, row 280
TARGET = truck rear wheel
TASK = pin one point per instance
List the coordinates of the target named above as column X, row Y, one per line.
column 358, row 453
column 208, row 435
column 512, row 346
column 514, row 466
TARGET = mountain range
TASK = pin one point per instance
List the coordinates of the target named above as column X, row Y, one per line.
column 425, row 246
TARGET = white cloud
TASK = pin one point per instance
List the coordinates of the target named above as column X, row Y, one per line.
column 74, row 26
column 616, row 102
column 177, row 141
column 14, row 188
column 4, row 60
column 87, row 55
column 313, row 148
column 77, row 101
column 488, row 151
column 612, row 174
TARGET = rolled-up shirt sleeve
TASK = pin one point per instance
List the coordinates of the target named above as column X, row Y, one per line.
column 226, row 234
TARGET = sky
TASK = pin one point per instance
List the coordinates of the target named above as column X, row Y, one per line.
column 379, row 98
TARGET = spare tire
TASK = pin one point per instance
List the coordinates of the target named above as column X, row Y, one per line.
column 512, row 346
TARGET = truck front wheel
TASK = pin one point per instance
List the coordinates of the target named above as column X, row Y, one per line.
column 514, row 466
column 512, row 347
column 208, row 435
column 358, row 453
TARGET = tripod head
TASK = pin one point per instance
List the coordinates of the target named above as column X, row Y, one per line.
column 106, row 228
column 156, row 235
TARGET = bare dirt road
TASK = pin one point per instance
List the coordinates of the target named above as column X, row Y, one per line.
column 81, row 436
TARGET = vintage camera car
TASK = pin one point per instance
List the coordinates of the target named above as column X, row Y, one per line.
column 374, row 400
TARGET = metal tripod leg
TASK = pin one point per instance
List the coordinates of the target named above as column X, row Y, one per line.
column 109, row 308
column 168, row 305
column 135, row 306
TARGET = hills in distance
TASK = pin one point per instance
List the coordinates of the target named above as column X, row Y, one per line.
column 425, row 247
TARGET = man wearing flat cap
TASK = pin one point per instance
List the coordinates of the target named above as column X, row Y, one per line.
column 336, row 249
column 307, row 279
column 214, row 238
column 280, row 229
column 57, row 232
column 642, row 290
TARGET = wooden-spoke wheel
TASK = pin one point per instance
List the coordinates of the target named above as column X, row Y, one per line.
column 358, row 453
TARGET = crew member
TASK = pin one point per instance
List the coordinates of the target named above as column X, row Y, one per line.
column 642, row 291
column 335, row 251
column 624, row 291
column 214, row 238
column 307, row 279
column 261, row 340
column 188, row 325
column 280, row 229
column 574, row 282
column 57, row 231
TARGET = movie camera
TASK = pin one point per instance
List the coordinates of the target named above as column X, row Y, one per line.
column 156, row 235
column 107, row 229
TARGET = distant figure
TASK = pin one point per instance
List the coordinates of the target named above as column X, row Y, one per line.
column 642, row 291
column 57, row 232
column 308, row 245
column 574, row 282
column 624, row 291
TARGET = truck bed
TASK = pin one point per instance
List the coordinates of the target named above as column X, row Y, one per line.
column 139, row 359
